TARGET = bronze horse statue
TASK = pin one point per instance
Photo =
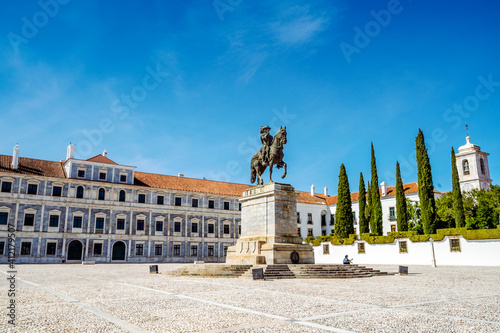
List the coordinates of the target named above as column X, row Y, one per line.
column 258, row 165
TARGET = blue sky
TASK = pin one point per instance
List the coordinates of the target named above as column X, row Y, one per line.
column 184, row 86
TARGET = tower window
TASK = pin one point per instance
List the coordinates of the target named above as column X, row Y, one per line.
column 481, row 164
column 466, row 168
column 79, row 192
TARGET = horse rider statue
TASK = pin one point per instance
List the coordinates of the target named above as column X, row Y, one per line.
column 270, row 154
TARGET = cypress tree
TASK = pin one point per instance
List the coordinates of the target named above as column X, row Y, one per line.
column 425, row 186
column 401, row 212
column 343, row 215
column 363, row 222
column 368, row 210
column 458, row 204
column 376, row 205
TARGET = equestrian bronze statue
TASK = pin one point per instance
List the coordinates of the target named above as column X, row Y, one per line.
column 269, row 155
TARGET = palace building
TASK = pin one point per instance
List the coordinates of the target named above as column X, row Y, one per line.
column 98, row 210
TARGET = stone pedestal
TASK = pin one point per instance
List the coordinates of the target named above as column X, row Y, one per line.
column 269, row 228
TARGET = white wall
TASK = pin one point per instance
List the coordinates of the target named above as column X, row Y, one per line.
column 473, row 253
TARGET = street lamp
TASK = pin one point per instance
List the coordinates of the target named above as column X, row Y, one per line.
column 433, row 255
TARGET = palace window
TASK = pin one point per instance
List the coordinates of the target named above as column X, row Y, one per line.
column 56, row 191
column 79, row 192
column 239, row 206
column 226, row 229
column 178, row 201
column 332, row 219
column 225, row 251
column 97, row 249
column 393, row 228
column 6, row 187
column 309, row 232
column 160, row 199
column 120, row 224
column 211, row 228
column 177, row 250
column 309, row 218
column 481, row 165
column 32, row 188
column 77, row 221
column 323, row 232
column 54, row 221
column 354, row 217
column 99, row 223
column 403, row 247
column 210, row 249
column 465, row 165
column 2, row 248
column 123, row 178
column 139, row 249
column 29, row 219
column 121, row 196
column 141, row 198
column 4, row 217
column 102, row 175
column 26, row 248
column 159, row 225
column 298, row 217
column 361, row 248
column 80, row 174
column 177, row 227
column 226, row 205
column 140, row 224
column 51, row 249
column 194, row 203
column 392, row 213
column 298, row 232
column 194, row 227
column 158, row 249
column 194, row 250
column 102, row 194
column 211, row 204
column 455, row 245
column 323, row 220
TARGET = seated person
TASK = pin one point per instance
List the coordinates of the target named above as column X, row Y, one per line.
column 347, row 261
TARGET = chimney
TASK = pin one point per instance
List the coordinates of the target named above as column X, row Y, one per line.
column 105, row 153
column 312, row 190
column 180, row 175
column 15, row 157
column 383, row 186
column 326, row 191
column 70, row 152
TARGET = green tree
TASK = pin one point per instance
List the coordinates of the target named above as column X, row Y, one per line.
column 482, row 208
column 368, row 209
column 444, row 210
column 363, row 222
column 401, row 211
column 343, row 215
column 376, row 205
column 458, row 204
column 413, row 212
column 425, row 186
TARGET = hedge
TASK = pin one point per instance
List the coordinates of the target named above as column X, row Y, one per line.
column 468, row 234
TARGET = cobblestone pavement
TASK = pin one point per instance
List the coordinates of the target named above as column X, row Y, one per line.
column 125, row 297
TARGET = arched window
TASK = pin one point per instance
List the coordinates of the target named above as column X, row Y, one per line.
column 102, row 194
column 121, row 196
column 465, row 165
column 79, row 192
column 481, row 164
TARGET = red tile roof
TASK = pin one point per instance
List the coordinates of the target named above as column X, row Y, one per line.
column 101, row 159
column 391, row 191
column 189, row 184
column 306, row 197
column 31, row 166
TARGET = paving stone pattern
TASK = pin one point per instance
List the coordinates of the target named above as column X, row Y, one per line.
column 126, row 298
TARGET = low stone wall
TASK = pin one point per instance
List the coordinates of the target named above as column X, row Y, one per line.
column 470, row 252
